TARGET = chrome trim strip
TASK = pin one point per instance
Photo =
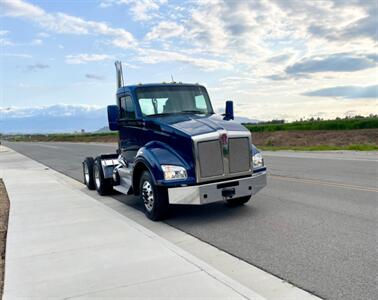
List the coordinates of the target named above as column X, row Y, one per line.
column 195, row 195
column 109, row 162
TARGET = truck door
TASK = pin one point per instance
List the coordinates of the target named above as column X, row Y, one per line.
column 128, row 133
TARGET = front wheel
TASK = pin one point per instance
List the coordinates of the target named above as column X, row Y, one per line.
column 155, row 199
column 238, row 201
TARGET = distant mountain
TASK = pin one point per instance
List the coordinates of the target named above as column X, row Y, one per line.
column 52, row 119
column 246, row 120
column 220, row 111
column 60, row 118
column 103, row 129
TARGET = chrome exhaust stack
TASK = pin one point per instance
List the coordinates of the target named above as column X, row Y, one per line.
column 118, row 65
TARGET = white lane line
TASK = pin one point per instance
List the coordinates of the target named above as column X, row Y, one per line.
column 327, row 183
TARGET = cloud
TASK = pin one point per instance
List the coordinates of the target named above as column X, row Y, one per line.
column 18, row 8
column 66, row 24
column 150, row 56
column 348, row 92
column 330, row 43
column 365, row 27
column 243, row 31
column 276, row 77
column 56, row 110
column 342, row 62
column 20, row 55
column 165, row 30
column 36, row 42
column 43, row 35
column 206, row 27
column 37, row 66
column 52, row 118
column 373, row 56
column 94, row 76
column 279, row 58
column 5, row 42
column 85, row 58
column 361, row 26
column 141, row 10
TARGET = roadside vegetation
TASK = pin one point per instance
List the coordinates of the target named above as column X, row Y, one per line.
column 357, row 133
column 104, row 137
column 358, row 122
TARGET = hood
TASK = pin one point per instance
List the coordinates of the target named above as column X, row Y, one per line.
column 196, row 124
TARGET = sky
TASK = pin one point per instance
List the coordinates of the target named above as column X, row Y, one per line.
column 276, row 59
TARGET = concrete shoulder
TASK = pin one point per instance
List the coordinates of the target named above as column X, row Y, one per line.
column 63, row 243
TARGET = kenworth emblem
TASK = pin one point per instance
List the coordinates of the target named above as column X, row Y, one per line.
column 224, row 141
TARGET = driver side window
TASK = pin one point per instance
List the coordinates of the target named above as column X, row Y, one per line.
column 127, row 108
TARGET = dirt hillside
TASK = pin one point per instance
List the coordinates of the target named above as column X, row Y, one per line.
column 315, row 138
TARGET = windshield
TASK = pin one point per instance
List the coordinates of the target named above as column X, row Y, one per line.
column 163, row 100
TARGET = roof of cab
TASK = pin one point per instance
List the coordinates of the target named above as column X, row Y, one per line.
column 135, row 86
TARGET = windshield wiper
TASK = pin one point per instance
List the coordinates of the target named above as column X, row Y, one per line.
column 193, row 111
column 161, row 114
column 178, row 112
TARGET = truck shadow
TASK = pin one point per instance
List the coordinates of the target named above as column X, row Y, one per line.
column 208, row 213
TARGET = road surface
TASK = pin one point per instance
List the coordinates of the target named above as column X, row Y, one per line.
column 314, row 225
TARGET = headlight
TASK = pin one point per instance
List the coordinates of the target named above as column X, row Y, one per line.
column 258, row 160
column 174, row 172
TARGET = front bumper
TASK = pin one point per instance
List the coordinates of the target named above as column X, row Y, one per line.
column 213, row 192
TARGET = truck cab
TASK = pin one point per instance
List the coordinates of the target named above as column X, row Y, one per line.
column 173, row 149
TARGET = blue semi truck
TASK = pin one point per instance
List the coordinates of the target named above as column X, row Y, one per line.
column 173, row 149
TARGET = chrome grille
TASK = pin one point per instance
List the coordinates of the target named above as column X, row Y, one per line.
column 210, row 158
column 219, row 158
column 239, row 155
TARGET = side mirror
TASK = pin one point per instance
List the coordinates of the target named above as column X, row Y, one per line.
column 229, row 112
column 113, row 117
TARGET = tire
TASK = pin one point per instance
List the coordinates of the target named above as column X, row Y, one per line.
column 104, row 186
column 88, row 173
column 156, row 208
column 238, row 201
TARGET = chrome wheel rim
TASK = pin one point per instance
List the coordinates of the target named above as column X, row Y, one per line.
column 97, row 177
column 86, row 173
column 148, row 195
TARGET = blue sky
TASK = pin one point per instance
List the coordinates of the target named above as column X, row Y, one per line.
column 276, row 59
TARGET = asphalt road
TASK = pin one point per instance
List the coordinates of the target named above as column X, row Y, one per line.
column 314, row 225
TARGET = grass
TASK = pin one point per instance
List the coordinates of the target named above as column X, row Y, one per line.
column 4, row 212
column 318, row 135
column 356, row 147
column 64, row 137
column 337, row 124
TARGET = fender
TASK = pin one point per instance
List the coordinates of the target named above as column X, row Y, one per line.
column 154, row 154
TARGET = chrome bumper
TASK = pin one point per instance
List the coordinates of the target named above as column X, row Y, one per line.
column 213, row 192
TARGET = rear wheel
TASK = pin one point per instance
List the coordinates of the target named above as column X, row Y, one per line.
column 103, row 185
column 155, row 199
column 88, row 173
column 238, row 201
